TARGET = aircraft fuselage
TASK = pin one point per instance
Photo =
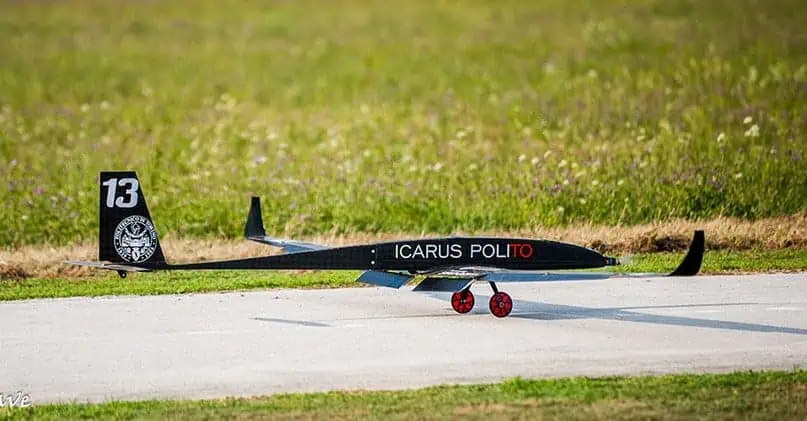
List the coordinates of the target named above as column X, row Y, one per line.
column 428, row 254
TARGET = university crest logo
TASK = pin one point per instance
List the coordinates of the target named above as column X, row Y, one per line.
column 135, row 239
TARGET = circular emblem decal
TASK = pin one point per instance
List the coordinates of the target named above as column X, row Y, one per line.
column 135, row 239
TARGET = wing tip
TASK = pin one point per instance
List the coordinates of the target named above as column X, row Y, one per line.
column 693, row 260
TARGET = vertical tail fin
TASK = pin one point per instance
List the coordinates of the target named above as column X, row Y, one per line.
column 127, row 234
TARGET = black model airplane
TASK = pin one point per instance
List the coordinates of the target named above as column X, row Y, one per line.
column 128, row 243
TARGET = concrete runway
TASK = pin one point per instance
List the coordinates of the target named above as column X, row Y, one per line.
column 213, row 345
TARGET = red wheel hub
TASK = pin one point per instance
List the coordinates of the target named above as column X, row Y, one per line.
column 462, row 301
column 501, row 304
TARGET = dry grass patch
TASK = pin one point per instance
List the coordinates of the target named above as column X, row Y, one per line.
column 721, row 234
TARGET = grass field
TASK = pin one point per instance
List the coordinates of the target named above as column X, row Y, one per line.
column 780, row 396
column 419, row 116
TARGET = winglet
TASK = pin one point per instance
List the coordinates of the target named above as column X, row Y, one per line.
column 691, row 264
column 254, row 225
column 254, row 231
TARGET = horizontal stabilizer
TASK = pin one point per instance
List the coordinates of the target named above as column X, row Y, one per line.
column 288, row 246
column 384, row 279
column 443, row 285
column 109, row 266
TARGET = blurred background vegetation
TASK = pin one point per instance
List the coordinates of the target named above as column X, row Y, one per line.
column 416, row 116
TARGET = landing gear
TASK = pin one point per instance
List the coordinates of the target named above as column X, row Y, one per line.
column 462, row 301
column 122, row 273
column 500, row 303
